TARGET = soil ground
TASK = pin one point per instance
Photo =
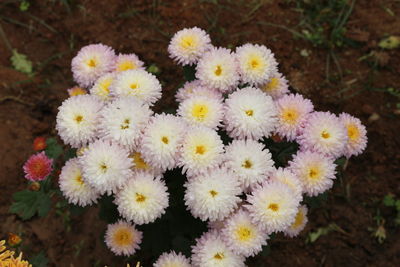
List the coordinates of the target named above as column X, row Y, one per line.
column 50, row 33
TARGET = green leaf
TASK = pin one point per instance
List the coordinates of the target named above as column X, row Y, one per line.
column 108, row 210
column 69, row 154
column 40, row 260
column 53, row 149
column 389, row 200
column 21, row 63
column 24, row 6
column 390, row 42
column 28, row 203
column 44, row 205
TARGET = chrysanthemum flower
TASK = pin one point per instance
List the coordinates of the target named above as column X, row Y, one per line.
column 211, row 250
column 314, row 170
column 172, row 259
column 78, row 119
column 76, row 90
column 75, row 190
column 277, row 86
column 143, row 199
column 249, row 160
column 249, row 113
column 7, row 258
column 123, row 238
column 272, row 206
column 293, row 111
column 286, row 176
column 123, row 120
column 196, row 88
column 105, row 166
column 212, row 195
column 138, row 83
column 188, row 45
column 125, row 62
column 38, row 167
column 39, row 143
column 202, row 148
column 242, row 235
column 91, row 62
column 324, row 133
column 140, row 165
column 217, row 69
column 200, row 110
column 161, row 140
column 357, row 135
column 299, row 223
column 256, row 63
column 101, row 87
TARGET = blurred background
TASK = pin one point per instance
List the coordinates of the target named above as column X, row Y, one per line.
column 343, row 55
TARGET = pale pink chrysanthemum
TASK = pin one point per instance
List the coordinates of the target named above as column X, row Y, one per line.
column 293, row 111
column 91, row 62
column 172, row 259
column 299, row 223
column 188, row 45
column 357, row 135
column 314, row 170
column 123, row 238
column 277, row 86
column 125, row 62
column 38, row 167
column 324, row 133
column 196, row 88
column 101, row 88
column 286, row 176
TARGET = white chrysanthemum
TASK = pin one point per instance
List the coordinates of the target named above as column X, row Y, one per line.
column 202, row 148
column 122, row 238
column 211, row 250
column 198, row 110
column 172, row 259
column 141, row 165
column 272, row 206
column 249, row 113
column 218, row 69
column 196, row 88
column 188, row 45
column 242, row 235
column 92, row 62
column 277, row 86
column 161, row 140
column 78, row 119
column 106, row 166
column 123, row 120
column 212, row 195
column 314, row 170
column 249, row 160
column 357, row 135
column 125, row 62
column 256, row 63
column 286, row 176
column 74, row 189
column 143, row 199
column 299, row 223
column 324, row 133
column 101, row 87
column 138, row 83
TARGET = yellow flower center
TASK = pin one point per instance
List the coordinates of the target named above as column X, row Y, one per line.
column 126, row 65
column 325, row 134
column 79, row 179
column 139, row 162
column 298, row 220
column 272, row 85
column 103, row 167
column 219, row 256
column 125, row 124
column 123, row 237
column 140, row 197
column 165, row 140
column 78, row 118
column 255, row 62
column 91, row 63
column 247, row 164
column 249, row 112
column 314, row 173
column 199, row 111
column 290, row 116
column 243, row 233
column 200, row 150
column 273, row 207
column 188, row 42
column 213, row 193
column 76, row 91
column 353, row 132
column 134, row 86
column 105, row 86
column 218, row 70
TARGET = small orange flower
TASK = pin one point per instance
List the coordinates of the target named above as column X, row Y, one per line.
column 13, row 240
column 35, row 186
column 39, row 143
column 76, row 91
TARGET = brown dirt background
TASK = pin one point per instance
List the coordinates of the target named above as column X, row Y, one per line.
column 144, row 27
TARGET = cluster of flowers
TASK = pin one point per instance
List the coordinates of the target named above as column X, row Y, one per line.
column 124, row 149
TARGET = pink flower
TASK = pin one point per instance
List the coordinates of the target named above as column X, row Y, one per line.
column 38, row 167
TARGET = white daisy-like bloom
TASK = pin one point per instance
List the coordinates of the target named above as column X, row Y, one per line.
column 123, row 238
column 299, row 223
column 143, row 199
column 101, row 87
column 141, row 165
column 212, row 195
column 188, row 45
column 125, row 62
column 74, row 189
column 105, row 166
column 272, row 206
column 277, row 86
column 357, row 135
column 200, row 110
column 293, row 111
column 256, row 63
column 249, row 113
column 211, row 250
column 78, row 118
column 123, row 119
column 161, row 140
column 218, row 69
column 286, row 176
column 314, row 170
column 249, row 160
column 242, row 235
column 324, row 133
column 172, row 259
column 91, row 62
column 202, row 148
column 196, row 88
column 139, row 83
